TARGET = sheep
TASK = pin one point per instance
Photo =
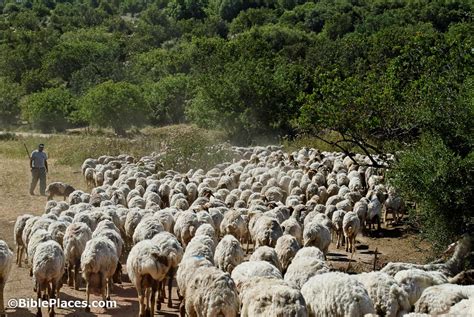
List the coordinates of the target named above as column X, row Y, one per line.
column 317, row 235
column 147, row 266
column 228, row 253
column 361, row 209
column 200, row 246
column 186, row 270
column 450, row 268
column 337, row 220
column 98, row 265
column 293, row 227
column 89, row 177
column 271, row 297
column 59, row 189
column 267, row 230
column 6, row 260
column 172, row 249
column 463, row 308
column 148, row 227
column 393, row 204
column 301, row 269
column 48, row 270
column 233, row 224
column 207, row 230
column 246, row 271
column 351, row 227
column 25, row 235
column 439, row 299
column 374, row 212
column 185, row 227
column 286, row 248
column 39, row 236
column 415, row 281
column 389, row 298
column 336, row 294
column 74, row 243
column 211, row 292
column 17, row 233
column 265, row 253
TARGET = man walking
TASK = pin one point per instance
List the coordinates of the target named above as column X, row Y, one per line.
column 39, row 168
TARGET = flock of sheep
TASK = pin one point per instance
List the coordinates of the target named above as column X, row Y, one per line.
column 196, row 228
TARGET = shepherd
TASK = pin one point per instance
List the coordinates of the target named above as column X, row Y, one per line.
column 39, row 168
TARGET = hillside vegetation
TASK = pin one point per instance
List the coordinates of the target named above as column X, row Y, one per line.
column 371, row 76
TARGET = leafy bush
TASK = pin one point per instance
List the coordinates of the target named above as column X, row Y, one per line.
column 49, row 109
column 442, row 185
column 10, row 94
column 117, row 105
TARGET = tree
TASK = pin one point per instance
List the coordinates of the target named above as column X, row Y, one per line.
column 10, row 94
column 49, row 110
column 118, row 105
column 167, row 98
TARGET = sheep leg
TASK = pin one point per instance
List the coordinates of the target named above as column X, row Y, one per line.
column 38, row 294
column 152, row 300
column 347, row 244
column 141, row 299
column 147, row 302
column 77, row 277
column 109, row 288
column 182, row 309
column 88, row 293
column 2, row 304
column 170, row 286
column 52, row 295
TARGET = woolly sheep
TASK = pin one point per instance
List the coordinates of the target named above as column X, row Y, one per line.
column 388, row 297
column 98, row 265
column 351, row 227
column 148, row 227
column 267, row 231
column 17, row 233
column 59, row 189
column 6, row 260
column 271, row 297
column 302, row 269
column 439, row 299
column 211, row 292
column 249, row 270
column 185, row 227
column 415, row 281
column 292, row 226
column 337, row 219
column 286, row 248
column 48, row 270
column 74, row 243
column 171, row 248
column 228, row 253
column 266, row 253
column 146, row 267
column 336, row 294
column 317, row 235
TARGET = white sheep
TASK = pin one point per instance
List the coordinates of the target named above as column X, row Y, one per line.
column 286, row 248
column 185, row 227
column 389, row 298
column 266, row 253
column 17, row 233
column 172, row 249
column 228, row 253
column 148, row 227
column 246, row 271
column 74, row 242
column 337, row 220
column 351, row 227
column 48, row 270
column 39, row 236
column 336, row 294
column 233, row 224
column 267, row 230
column 293, row 227
column 147, row 266
column 312, row 252
column 98, row 265
column 317, row 235
column 439, row 299
column 211, row 292
column 6, row 260
column 415, row 281
column 187, row 268
column 271, row 297
column 303, row 268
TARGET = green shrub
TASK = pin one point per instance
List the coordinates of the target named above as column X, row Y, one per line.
column 442, row 185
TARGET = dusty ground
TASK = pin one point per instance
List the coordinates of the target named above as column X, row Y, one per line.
column 395, row 245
